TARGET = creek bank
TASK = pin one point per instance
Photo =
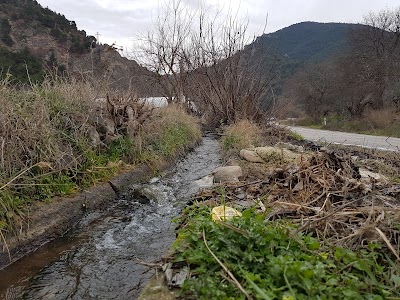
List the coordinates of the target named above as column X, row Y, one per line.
column 99, row 259
column 48, row 221
column 297, row 200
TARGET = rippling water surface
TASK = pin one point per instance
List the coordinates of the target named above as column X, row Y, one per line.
column 97, row 261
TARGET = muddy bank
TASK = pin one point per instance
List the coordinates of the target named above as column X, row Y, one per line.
column 47, row 221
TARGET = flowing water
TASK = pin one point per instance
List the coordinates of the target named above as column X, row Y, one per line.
column 99, row 259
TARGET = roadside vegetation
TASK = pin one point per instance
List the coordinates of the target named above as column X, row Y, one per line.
column 248, row 134
column 55, row 139
column 309, row 229
column 374, row 122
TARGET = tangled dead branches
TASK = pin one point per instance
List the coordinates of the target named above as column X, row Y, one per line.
column 324, row 194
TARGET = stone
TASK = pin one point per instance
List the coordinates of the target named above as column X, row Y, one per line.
column 367, row 175
column 299, row 186
column 227, row 174
column 146, row 195
column 154, row 180
column 277, row 155
column 205, row 182
column 290, row 147
column 94, row 137
column 251, row 156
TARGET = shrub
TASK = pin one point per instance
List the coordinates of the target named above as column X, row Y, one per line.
column 381, row 118
column 172, row 130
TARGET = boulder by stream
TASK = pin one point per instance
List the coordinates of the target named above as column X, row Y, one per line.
column 227, row 174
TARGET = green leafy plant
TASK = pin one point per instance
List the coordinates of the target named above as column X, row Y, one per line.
column 296, row 136
column 270, row 261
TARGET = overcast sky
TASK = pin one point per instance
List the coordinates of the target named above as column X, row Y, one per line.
column 121, row 20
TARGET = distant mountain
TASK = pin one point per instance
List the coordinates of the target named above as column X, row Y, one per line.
column 308, row 40
column 285, row 51
column 37, row 39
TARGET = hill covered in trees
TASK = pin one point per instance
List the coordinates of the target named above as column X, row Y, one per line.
column 35, row 40
column 354, row 80
column 291, row 48
column 33, row 37
column 308, row 41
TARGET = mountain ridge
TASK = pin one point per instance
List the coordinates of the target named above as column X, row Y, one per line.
column 309, row 40
column 33, row 35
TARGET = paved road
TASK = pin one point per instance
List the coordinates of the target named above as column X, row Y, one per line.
column 337, row 137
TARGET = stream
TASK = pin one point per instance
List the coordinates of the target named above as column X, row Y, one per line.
column 98, row 259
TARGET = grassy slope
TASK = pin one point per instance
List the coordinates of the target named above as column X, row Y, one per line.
column 48, row 153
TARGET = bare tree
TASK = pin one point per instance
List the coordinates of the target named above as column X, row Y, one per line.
column 203, row 56
column 314, row 88
column 372, row 68
column 163, row 50
column 233, row 81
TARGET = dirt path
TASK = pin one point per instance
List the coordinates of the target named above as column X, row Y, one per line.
column 344, row 138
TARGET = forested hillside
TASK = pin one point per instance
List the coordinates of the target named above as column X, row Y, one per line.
column 289, row 49
column 35, row 41
column 308, row 40
column 356, row 88
column 33, row 38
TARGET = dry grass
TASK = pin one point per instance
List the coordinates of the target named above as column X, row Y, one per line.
column 43, row 135
column 46, row 148
column 42, row 124
column 243, row 134
column 382, row 118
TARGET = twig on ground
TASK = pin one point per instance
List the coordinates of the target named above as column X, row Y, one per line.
column 238, row 285
column 148, row 264
column 383, row 236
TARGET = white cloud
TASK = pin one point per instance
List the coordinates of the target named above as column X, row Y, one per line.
column 120, row 20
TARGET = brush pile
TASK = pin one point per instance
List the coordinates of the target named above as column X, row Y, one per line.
column 324, row 194
column 116, row 118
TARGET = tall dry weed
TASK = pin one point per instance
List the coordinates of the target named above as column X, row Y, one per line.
column 243, row 134
column 43, row 123
column 381, row 118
